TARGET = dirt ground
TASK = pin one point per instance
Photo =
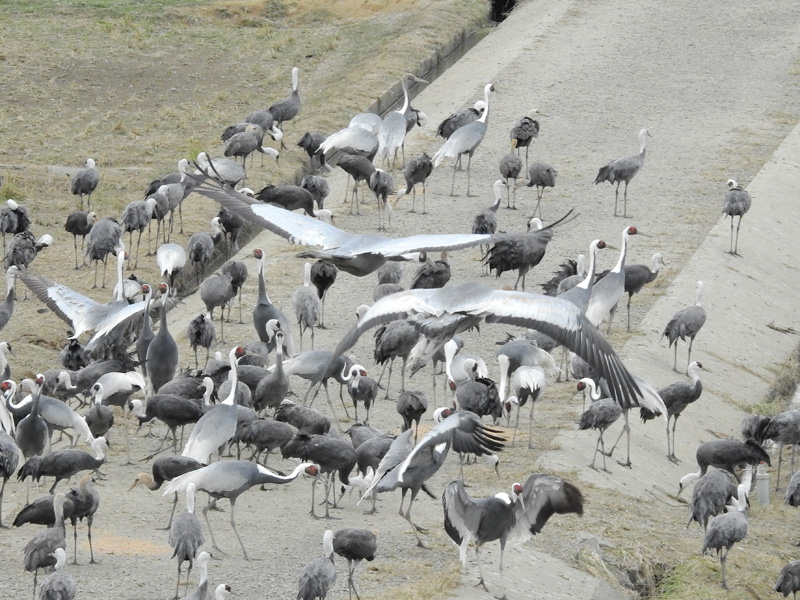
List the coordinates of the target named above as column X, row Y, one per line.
column 717, row 91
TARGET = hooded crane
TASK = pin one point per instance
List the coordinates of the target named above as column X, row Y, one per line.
column 59, row 585
column 710, row 495
column 288, row 108
column 637, row 276
column 38, row 552
column 357, row 254
column 392, row 132
column 725, row 454
column 784, row 430
column 458, row 119
column 518, row 516
column 136, row 217
column 624, row 169
column 408, row 466
column 79, row 223
column 510, row 168
column 200, row 248
column 381, row 184
column 102, row 240
column 600, row 415
column 217, row 426
column 727, row 529
column 485, row 222
column 687, row 322
column 265, row 310
column 523, row 132
column 541, row 175
column 789, row 579
column 162, row 353
column 85, row 181
column 186, row 537
column 216, row 291
column 230, row 479
column 323, row 276
column 737, row 203
column 417, row 170
column 361, row 388
column 307, row 306
column 63, row 464
column 318, row 576
column 522, row 252
column 465, row 140
column 677, row 397
column 14, row 219
column 166, row 468
column 411, row 406
column 354, row 545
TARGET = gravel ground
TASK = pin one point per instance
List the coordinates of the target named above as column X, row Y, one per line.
column 718, row 92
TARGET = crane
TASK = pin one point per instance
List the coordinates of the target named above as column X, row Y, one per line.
column 607, row 292
column 624, row 169
column 307, row 306
column 687, row 322
column 166, row 468
column 102, row 240
column 518, row 516
column 361, row 388
column 288, row 108
column 727, row 529
column 186, row 537
column 354, row 545
column 510, row 168
column 417, row 170
column 85, row 182
column 600, row 415
column 524, row 131
column 527, row 382
column 465, row 140
column 265, row 310
column 318, row 576
column 230, row 479
column 38, row 552
column 392, row 132
column 737, row 203
column 59, row 585
column 637, row 276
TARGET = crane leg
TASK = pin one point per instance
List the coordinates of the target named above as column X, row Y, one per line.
column 736, row 246
column 723, row 558
column 481, row 583
column 780, row 459
column 172, row 514
column 672, row 456
column 625, row 430
column 233, row 524
column 210, row 531
column 469, row 163
column 75, row 542
column 530, row 426
column 625, row 201
column 689, row 357
column 424, row 200
column 675, row 358
column 453, row 183
column 629, row 312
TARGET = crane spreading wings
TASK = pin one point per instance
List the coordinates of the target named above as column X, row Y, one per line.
column 557, row 318
column 355, row 253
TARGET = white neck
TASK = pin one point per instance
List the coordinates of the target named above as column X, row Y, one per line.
column 233, row 378
column 621, row 260
column 403, row 110
column 485, row 114
column 589, row 279
column 504, row 362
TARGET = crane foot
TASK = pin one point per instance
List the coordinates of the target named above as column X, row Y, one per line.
column 673, row 458
column 625, row 464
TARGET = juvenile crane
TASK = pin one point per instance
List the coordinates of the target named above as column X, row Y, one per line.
column 624, row 169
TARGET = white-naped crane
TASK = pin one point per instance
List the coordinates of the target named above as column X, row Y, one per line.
column 201, row 591
column 687, row 322
column 725, row 530
column 417, row 170
column 361, row 388
column 186, row 537
column 408, row 466
column 465, row 140
column 392, row 132
column 318, row 576
column 601, row 414
column 470, row 302
column 230, row 479
column 216, row 427
column 166, row 468
column 517, row 516
column 354, row 545
column 171, row 259
column 459, row 118
column 357, row 254
column 677, row 396
column 607, row 292
column 737, row 203
column 85, row 182
column 624, row 169
column 525, row 384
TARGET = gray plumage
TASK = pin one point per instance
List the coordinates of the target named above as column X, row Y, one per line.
column 265, row 310
column 38, row 552
column 101, row 241
column 166, row 468
column 136, row 216
column 79, row 223
column 580, row 294
column 637, row 276
column 317, row 577
column 524, row 131
column 289, row 197
column 601, row 414
column 456, row 120
column 306, row 419
column 501, row 517
column 14, row 219
column 266, row 434
column 232, row 225
column 432, row 273
column 607, row 292
column 7, row 305
column 59, row 585
column 162, row 353
column 392, row 132
column 238, row 273
column 361, row 389
column 63, row 464
column 784, row 430
column 350, row 141
column 244, row 143
column 510, row 168
column 186, row 536
column 288, row 108
column 485, row 222
column 541, row 175
column 710, row 495
column 677, row 397
column 24, row 248
column 417, row 170
column 687, row 322
column 381, row 184
column 85, row 501
column 201, row 332
column 624, row 169
column 272, row 388
column 318, row 187
column 200, row 248
column 390, row 272
column 355, row 545
column 201, row 591
column 85, row 181
column 146, row 333
column 728, row 454
column 220, row 169
column 216, row 291
column 465, row 140
column 737, row 203
column 789, row 579
column 310, row 142
column 725, row 530
column 368, row 121
column 323, row 276
column 307, row 306
column 394, row 340
column 32, row 432
column 9, row 459
column 262, row 117
column 411, row 405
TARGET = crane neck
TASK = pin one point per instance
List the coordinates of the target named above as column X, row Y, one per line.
column 263, row 298
column 190, row 499
column 699, row 298
column 406, row 102
column 504, row 364
column 484, row 118
column 594, row 392
column 119, row 290
column 234, row 379
column 588, row 281
column 621, row 260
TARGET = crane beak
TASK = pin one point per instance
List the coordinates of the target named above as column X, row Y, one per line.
column 610, row 247
column 135, row 483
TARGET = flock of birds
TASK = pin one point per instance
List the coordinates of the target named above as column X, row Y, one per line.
column 243, row 400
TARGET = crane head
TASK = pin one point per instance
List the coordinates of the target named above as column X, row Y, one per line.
column 5, row 386
column 163, row 288
column 240, row 352
column 581, row 386
column 145, row 288
column 39, row 379
column 632, row 231
column 362, row 372
column 312, row 470
column 601, row 244
column 258, row 253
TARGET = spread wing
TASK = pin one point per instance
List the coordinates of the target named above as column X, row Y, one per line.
column 462, row 516
column 542, row 497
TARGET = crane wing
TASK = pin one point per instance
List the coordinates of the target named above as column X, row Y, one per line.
column 68, row 304
column 543, row 496
column 400, row 449
column 462, row 516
